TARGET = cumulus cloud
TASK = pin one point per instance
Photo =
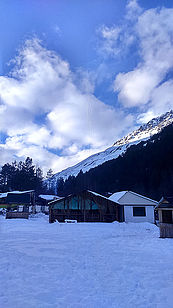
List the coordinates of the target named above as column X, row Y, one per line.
column 53, row 117
column 149, row 34
column 116, row 39
column 146, row 86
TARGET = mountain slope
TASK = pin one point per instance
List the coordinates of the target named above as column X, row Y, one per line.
column 144, row 132
column 145, row 168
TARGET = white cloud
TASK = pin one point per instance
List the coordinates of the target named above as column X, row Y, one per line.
column 48, row 115
column 161, row 101
column 149, row 34
column 57, row 30
column 109, row 40
column 145, row 87
column 133, row 10
column 117, row 39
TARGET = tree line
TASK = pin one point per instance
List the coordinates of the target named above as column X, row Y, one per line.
column 23, row 175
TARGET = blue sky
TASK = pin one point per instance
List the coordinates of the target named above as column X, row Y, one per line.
column 77, row 75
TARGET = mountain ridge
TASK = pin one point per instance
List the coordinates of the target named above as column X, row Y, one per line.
column 144, row 132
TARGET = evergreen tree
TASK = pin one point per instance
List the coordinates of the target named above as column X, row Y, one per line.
column 49, row 177
column 21, row 176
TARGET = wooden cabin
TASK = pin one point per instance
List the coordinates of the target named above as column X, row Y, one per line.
column 165, row 214
column 86, row 206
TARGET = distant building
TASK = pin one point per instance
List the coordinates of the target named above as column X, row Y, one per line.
column 3, row 198
column 134, row 207
column 86, row 206
column 165, row 213
column 42, row 202
column 25, row 198
column 19, row 203
column 17, row 199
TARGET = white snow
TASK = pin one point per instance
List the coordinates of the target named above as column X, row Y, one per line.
column 20, row 192
column 3, row 195
column 117, row 196
column 84, row 265
column 49, row 197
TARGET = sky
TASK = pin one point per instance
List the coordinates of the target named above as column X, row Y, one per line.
column 75, row 76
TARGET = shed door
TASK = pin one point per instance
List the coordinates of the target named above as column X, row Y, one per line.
column 167, row 216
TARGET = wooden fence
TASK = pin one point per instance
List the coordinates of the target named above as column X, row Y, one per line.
column 10, row 215
column 166, row 230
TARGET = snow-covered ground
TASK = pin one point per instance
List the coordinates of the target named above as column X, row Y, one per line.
column 84, row 265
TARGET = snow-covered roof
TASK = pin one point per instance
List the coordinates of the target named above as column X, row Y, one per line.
column 96, row 194
column 20, row 192
column 49, row 197
column 117, row 196
column 4, row 195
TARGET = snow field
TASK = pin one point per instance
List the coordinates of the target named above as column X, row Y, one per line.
column 84, row 265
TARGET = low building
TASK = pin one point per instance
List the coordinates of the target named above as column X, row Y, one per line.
column 134, row 207
column 3, row 198
column 165, row 214
column 21, row 201
column 86, row 206
column 21, row 198
column 43, row 202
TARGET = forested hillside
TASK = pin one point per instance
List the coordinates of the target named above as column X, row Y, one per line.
column 146, row 168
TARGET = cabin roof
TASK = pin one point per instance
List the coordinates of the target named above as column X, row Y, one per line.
column 96, row 194
column 166, row 202
column 84, row 191
column 49, row 197
column 17, row 192
column 20, row 192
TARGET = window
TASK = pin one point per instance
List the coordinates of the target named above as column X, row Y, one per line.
column 139, row 211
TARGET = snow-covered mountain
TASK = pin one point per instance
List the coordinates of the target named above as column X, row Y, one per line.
column 144, row 132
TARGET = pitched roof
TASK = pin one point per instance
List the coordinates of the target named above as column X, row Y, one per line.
column 165, row 202
column 116, row 197
column 4, row 195
column 88, row 191
column 99, row 195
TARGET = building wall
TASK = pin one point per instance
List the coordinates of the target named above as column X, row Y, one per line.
column 128, row 214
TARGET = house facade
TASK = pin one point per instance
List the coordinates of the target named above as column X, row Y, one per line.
column 134, row 207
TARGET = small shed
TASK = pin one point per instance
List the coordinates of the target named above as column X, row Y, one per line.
column 165, row 213
column 86, row 206
column 134, row 207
